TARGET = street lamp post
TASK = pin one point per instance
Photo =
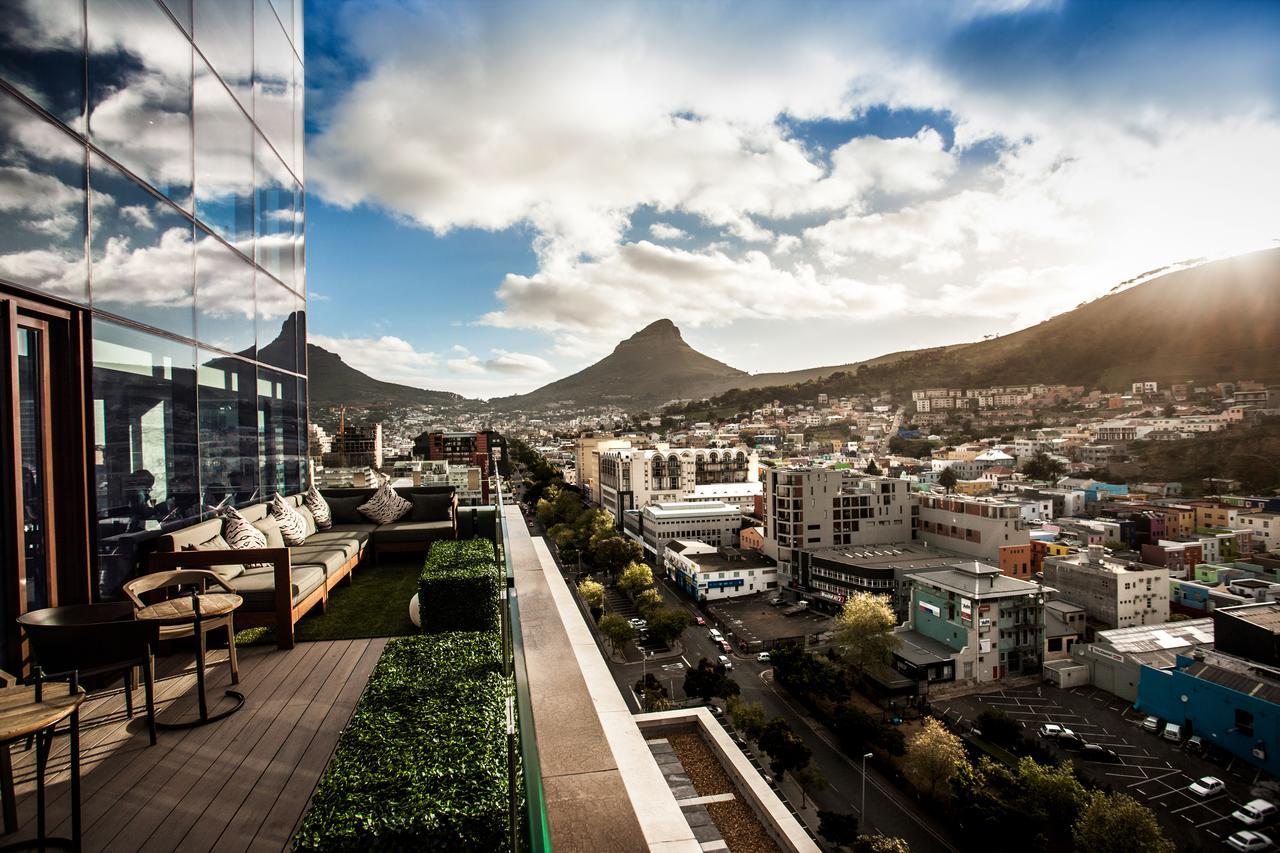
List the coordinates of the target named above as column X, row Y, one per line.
column 862, row 811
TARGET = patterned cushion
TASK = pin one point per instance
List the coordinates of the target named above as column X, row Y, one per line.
column 240, row 534
column 292, row 526
column 319, row 507
column 385, row 506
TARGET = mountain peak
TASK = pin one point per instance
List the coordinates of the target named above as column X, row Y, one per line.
column 663, row 328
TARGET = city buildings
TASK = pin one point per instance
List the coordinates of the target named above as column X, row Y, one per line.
column 170, row 323
column 1115, row 593
column 354, row 446
column 710, row 522
column 633, row 478
column 708, row 573
column 810, row 508
column 974, row 526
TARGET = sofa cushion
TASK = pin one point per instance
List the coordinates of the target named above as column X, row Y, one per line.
column 349, row 542
column 241, row 534
column 431, row 507
column 292, row 527
column 344, row 510
column 308, row 520
column 227, row 572
column 177, row 540
column 385, row 506
column 257, row 586
column 329, row 558
column 270, row 531
column 413, row 531
column 315, row 502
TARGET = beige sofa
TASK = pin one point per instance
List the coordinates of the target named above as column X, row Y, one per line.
column 279, row 583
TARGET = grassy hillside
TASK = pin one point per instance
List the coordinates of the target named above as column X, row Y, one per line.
column 1250, row 455
column 333, row 382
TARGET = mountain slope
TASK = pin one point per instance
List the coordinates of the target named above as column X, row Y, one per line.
column 1220, row 320
column 332, row 382
column 649, row 368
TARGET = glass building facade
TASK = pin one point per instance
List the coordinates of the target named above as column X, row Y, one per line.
column 151, row 185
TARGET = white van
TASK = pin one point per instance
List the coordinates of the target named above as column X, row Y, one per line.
column 1255, row 812
column 1173, row 732
column 715, row 636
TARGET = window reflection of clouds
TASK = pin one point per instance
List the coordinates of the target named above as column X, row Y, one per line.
column 221, row 29
column 273, row 82
column 224, row 298
column 42, row 204
column 224, row 162
column 42, row 54
column 277, row 219
column 141, row 253
column 140, row 93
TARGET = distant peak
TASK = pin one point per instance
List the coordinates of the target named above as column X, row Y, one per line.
column 663, row 328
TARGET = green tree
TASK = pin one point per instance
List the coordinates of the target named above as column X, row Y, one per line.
column 947, row 479
column 806, row 675
column 591, row 593
column 880, row 844
column 1117, row 823
column 1042, row 466
column 648, row 603
column 864, row 632
column 748, row 717
column 872, row 469
column 841, row 830
column 635, row 578
column 616, row 630
column 1050, row 797
column 998, row 727
column 934, row 757
column 615, row 553
column 787, row 752
column 810, row 780
column 668, row 623
column 707, row 680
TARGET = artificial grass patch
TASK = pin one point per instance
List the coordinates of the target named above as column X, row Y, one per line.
column 375, row 604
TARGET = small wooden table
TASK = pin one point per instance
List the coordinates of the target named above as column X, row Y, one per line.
column 195, row 608
column 29, row 710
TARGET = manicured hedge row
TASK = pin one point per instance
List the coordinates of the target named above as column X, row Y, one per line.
column 423, row 763
column 460, row 587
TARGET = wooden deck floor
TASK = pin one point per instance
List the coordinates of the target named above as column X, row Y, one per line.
column 242, row 783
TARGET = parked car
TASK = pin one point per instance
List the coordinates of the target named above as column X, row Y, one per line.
column 1172, row 732
column 699, row 620
column 1094, row 752
column 1072, row 742
column 1194, row 745
column 638, row 623
column 1255, row 812
column 1207, row 786
column 715, row 636
column 1151, row 724
column 1247, row 840
column 725, row 647
column 776, row 601
column 763, row 657
column 1053, row 730
column 725, row 662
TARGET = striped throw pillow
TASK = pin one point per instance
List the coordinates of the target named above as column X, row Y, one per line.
column 292, row 526
column 319, row 507
column 240, row 534
column 385, row 506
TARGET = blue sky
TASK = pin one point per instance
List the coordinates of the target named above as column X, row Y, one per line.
column 499, row 192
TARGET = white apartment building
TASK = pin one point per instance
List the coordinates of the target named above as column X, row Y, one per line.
column 707, row 573
column 587, row 452
column 974, row 526
column 633, row 478
column 1264, row 525
column 712, row 522
column 1115, row 593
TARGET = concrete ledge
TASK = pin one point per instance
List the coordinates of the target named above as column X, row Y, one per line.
column 777, row 819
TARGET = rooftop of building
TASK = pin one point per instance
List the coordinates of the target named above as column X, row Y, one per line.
column 1169, row 637
column 1103, row 562
column 1265, row 615
column 978, row 580
column 921, row 650
column 687, row 509
column 711, row 558
column 906, row 555
column 712, row 490
column 1238, row 674
column 1062, row 606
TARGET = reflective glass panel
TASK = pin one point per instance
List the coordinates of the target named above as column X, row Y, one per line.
column 276, row 220
column 273, row 62
column 181, row 9
column 224, row 298
column 144, row 395
column 299, row 120
column 304, row 468
column 140, row 93
column 224, row 34
column 32, row 438
column 42, row 204
column 140, row 253
column 277, row 325
column 224, row 162
column 228, row 430
column 300, row 321
column 277, row 431
column 42, row 54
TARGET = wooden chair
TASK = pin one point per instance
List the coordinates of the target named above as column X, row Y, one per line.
column 178, row 580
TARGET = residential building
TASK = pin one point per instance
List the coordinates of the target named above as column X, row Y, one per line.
column 169, row 325
column 1064, row 626
column 1115, row 593
column 827, row 576
column 973, row 526
column 1265, row 527
column 633, row 478
column 991, row 624
column 587, row 452
column 711, row 522
column 355, row 446
column 708, row 573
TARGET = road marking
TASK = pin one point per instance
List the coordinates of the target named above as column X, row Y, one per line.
column 1157, row 778
column 1198, row 803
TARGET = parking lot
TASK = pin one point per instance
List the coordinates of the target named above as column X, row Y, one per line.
column 752, row 620
column 1151, row 769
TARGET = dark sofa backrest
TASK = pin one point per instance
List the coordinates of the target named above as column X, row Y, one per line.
column 402, row 491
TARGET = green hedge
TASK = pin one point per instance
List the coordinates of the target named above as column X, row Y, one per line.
column 460, row 587
column 423, row 763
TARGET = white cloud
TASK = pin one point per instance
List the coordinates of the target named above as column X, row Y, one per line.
column 663, row 231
